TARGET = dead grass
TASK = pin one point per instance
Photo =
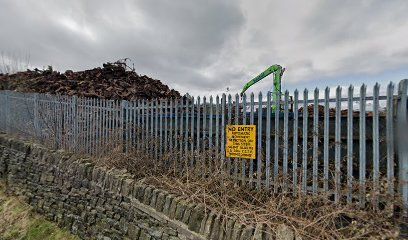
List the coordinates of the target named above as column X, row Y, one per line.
column 308, row 215
column 17, row 221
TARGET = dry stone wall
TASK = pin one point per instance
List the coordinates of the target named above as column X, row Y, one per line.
column 97, row 203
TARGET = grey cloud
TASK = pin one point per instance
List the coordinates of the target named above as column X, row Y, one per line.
column 167, row 39
column 204, row 47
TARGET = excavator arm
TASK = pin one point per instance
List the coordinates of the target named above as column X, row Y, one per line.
column 277, row 71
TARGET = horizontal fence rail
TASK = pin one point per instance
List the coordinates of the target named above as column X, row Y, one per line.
column 343, row 143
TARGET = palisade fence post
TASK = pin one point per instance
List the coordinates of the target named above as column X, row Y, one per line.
column 304, row 136
column 192, row 130
column 181, row 138
column 337, row 150
column 196, row 161
column 175, row 139
column 186, row 137
column 295, row 142
column 204, row 137
column 376, row 147
column 244, row 122
column 210, row 135
column 251, row 120
column 170, row 125
column 74, row 107
column 402, row 138
column 217, row 128
column 259, row 155
column 277, row 136
column 156, row 132
column 315, row 140
column 326, row 140
column 223, row 100
column 229, row 123
column 8, row 127
column 36, row 124
column 123, row 106
column 236, row 122
column 390, row 139
column 285, row 140
column 350, row 144
column 362, row 147
column 268, row 141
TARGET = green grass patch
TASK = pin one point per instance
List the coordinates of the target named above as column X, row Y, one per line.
column 18, row 221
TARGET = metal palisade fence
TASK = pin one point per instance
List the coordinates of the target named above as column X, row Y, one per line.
column 347, row 143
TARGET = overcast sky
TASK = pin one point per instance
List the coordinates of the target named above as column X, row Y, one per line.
column 203, row 47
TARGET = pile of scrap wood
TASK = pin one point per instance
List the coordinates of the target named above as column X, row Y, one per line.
column 112, row 81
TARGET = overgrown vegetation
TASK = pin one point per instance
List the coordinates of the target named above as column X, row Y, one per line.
column 310, row 216
column 18, row 221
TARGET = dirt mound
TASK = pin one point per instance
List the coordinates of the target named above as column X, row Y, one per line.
column 112, row 81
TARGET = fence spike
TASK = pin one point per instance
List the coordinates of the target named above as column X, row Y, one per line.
column 244, row 122
column 305, row 136
column 362, row 150
column 285, row 140
column 251, row 161
column 350, row 144
column 390, row 138
column 268, row 140
column 259, row 155
column 295, row 142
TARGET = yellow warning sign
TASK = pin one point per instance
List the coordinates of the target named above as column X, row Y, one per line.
column 241, row 141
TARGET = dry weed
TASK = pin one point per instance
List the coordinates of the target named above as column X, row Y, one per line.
column 308, row 215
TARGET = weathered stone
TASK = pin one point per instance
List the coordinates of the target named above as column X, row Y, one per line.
column 236, row 232
column 96, row 203
column 144, row 236
column 187, row 213
column 167, row 204
column 208, row 225
column 127, row 187
column 148, row 195
column 154, row 198
column 230, row 228
column 133, row 231
column 181, row 208
column 247, row 233
column 215, row 228
column 161, row 199
column 197, row 215
column 173, row 207
column 139, row 192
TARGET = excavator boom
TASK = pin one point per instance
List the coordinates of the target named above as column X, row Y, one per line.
column 277, row 70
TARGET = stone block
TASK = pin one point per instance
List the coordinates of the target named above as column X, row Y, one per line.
column 154, row 198
column 181, row 208
column 229, row 228
column 127, row 187
column 237, row 230
column 187, row 213
column 147, row 196
column 173, row 207
column 144, row 235
column 247, row 233
column 167, row 204
column 161, row 199
column 208, row 226
column 197, row 215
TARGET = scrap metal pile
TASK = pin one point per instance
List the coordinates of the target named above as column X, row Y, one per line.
column 112, row 81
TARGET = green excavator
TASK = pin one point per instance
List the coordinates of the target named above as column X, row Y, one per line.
column 277, row 72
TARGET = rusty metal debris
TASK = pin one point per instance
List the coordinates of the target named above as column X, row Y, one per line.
column 112, row 81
